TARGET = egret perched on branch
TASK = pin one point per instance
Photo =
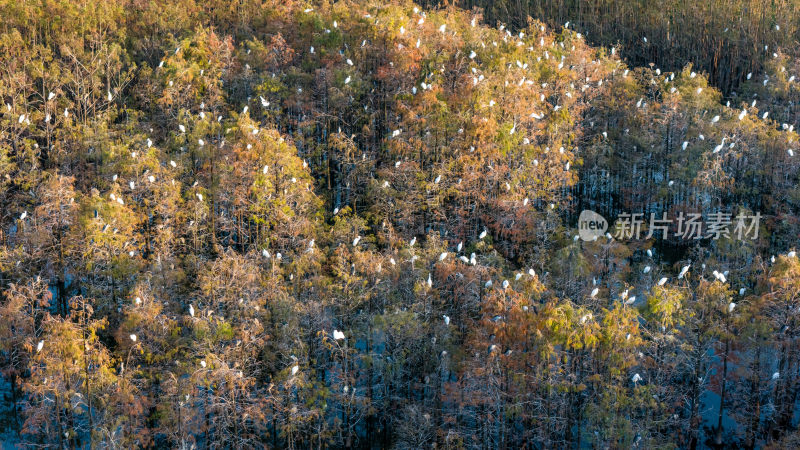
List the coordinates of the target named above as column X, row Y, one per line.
column 39, row 346
column 338, row 335
column 684, row 270
column 191, row 310
column 720, row 276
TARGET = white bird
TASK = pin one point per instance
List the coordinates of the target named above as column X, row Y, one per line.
column 338, row 335
column 356, row 240
column 636, row 378
column 482, row 235
column 413, row 241
column 133, row 337
column 429, row 281
column 791, row 254
column 720, row 276
column 531, row 272
column 109, row 97
column 442, row 28
column 460, row 246
column 294, row 370
column 200, row 196
column 741, row 291
column 51, row 96
column 594, row 292
column 446, row 319
column 488, row 284
column 742, row 114
column 349, row 62
column 132, row 185
column 203, row 363
column 201, row 142
column 173, row 164
column 646, row 269
column 631, row 300
column 776, row 375
column 683, row 272
column 264, row 101
column 21, row 118
column 731, row 305
column 715, row 119
column 39, row 346
column 505, row 284
column 244, row 110
column 662, row 281
column 442, row 256
column 182, row 128
column 23, row 215
column 790, row 152
column 191, row 310
column 347, row 80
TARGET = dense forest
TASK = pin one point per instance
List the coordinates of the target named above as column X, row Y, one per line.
column 358, row 224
